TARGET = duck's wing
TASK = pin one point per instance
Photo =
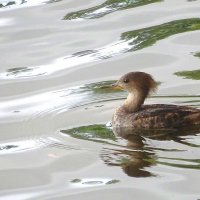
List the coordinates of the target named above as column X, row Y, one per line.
column 166, row 116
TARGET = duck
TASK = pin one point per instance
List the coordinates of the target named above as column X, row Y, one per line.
column 134, row 114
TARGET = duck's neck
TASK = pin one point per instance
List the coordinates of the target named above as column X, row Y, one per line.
column 134, row 101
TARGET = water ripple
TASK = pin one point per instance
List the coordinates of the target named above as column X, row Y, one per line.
column 54, row 144
column 35, row 143
column 140, row 152
column 70, row 61
column 107, row 7
column 45, row 103
column 129, row 41
column 56, row 101
column 7, row 4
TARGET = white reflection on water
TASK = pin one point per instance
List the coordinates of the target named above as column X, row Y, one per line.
column 105, row 9
column 21, row 3
column 57, row 101
column 34, row 143
column 19, row 196
column 6, row 21
column 91, row 182
column 19, row 109
column 70, row 61
column 20, row 146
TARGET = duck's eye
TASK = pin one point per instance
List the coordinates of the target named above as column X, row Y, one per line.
column 126, row 81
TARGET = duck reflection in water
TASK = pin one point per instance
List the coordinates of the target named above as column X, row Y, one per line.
column 138, row 157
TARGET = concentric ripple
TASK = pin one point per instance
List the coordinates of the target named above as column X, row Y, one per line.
column 25, row 145
column 57, row 101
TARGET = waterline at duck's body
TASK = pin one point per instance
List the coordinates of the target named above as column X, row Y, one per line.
column 157, row 116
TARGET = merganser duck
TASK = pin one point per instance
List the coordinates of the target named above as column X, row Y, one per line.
column 156, row 116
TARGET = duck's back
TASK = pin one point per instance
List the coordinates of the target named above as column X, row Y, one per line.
column 157, row 116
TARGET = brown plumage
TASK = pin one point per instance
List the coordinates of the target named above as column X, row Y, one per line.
column 157, row 116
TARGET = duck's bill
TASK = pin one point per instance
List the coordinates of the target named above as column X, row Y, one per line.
column 115, row 86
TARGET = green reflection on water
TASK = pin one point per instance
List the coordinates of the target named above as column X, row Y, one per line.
column 18, row 70
column 113, row 182
column 23, row 72
column 194, row 74
column 107, row 7
column 103, row 87
column 195, row 163
column 77, row 180
column 97, row 133
column 148, row 36
column 9, row 3
column 197, row 54
column 131, row 161
column 136, row 40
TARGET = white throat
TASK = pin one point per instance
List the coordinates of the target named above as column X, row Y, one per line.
column 134, row 101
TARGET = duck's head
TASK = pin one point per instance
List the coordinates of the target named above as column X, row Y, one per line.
column 137, row 81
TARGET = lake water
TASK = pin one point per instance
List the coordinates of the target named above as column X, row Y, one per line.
column 57, row 61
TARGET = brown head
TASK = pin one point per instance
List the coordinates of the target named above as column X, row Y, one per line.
column 137, row 81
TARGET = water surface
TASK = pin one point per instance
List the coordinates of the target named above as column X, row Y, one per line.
column 57, row 62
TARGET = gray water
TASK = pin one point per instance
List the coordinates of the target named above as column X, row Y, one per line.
column 57, row 61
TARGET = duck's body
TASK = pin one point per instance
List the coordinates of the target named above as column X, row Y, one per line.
column 157, row 116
